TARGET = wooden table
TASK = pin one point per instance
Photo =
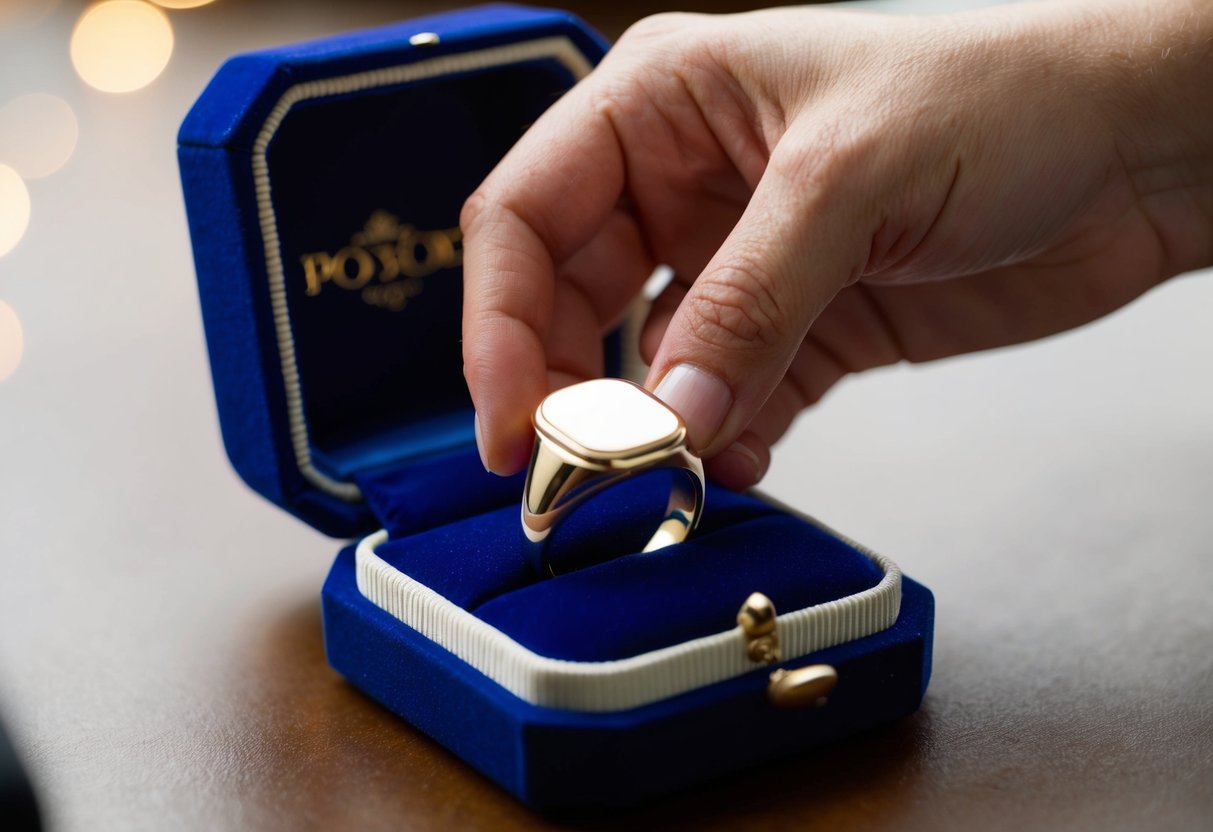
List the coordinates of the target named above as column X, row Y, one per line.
column 161, row 663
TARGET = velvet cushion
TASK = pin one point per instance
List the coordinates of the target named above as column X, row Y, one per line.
column 623, row 603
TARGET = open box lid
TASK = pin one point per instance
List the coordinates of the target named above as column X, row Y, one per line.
column 323, row 183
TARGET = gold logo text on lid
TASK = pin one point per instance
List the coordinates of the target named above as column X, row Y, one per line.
column 384, row 262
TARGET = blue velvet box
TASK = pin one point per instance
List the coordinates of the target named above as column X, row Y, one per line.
column 323, row 183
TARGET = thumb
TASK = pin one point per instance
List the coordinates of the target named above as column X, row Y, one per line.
column 734, row 334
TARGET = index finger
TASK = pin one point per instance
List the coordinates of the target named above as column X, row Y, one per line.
column 543, row 202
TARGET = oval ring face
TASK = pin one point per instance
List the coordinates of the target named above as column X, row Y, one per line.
column 608, row 417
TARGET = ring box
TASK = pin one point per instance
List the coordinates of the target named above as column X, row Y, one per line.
column 323, row 184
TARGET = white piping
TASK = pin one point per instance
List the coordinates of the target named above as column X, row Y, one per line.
column 624, row 683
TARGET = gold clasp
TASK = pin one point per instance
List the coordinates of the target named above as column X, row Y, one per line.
column 802, row 686
column 787, row 688
column 757, row 619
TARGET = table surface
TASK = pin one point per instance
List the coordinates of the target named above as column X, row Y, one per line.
column 161, row 662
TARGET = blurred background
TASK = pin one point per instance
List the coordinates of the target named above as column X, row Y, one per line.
column 159, row 634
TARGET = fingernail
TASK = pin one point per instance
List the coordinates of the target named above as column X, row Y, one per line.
column 480, row 442
column 701, row 398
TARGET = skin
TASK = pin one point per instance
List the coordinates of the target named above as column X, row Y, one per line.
column 837, row 191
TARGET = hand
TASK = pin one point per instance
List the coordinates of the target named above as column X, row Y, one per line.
column 835, row 191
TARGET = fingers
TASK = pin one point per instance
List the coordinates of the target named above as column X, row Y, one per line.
column 660, row 314
column 741, row 323
column 539, row 206
column 610, row 270
column 742, row 464
column 593, row 289
column 813, row 372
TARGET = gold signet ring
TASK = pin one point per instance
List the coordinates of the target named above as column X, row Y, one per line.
column 596, row 434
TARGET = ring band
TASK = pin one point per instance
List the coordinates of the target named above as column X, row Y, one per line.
column 594, row 435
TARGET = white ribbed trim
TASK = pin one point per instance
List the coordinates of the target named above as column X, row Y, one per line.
column 625, row 683
column 557, row 48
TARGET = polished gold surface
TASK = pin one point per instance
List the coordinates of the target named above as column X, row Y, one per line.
column 802, row 686
column 609, row 422
column 757, row 620
column 597, row 434
column 757, row 615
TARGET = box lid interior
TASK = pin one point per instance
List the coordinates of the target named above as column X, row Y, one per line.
column 323, row 184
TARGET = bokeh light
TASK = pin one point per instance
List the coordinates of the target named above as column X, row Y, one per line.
column 12, row 341
column 38, row 133
column 14, row 209
column 182, row 4
column 121, row 45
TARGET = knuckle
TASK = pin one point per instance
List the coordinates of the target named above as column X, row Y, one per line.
column 824, row 159
column 839, row 157
column 656, row 26
column 737, row 308
column 472, row 210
